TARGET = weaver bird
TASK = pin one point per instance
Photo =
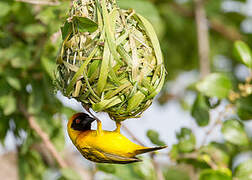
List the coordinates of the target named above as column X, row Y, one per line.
column 103, row 146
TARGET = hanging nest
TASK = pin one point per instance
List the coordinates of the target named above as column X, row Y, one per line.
column 110, row 59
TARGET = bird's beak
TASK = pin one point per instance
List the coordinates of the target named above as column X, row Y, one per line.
column 83, row 124
column 89, row 120
column 86, row 123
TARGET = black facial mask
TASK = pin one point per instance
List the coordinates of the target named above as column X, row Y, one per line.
column 82, row 122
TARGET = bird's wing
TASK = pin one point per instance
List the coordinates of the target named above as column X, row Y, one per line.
column 114, row 158
column 98, row 155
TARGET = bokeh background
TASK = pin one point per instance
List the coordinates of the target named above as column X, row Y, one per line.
column 197, row 38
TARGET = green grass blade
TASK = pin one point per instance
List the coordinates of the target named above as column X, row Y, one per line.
column 104, row 69
column 135, row 101
column 109, row 22
column 105, row 104
column 80, row 72
column 153, row 37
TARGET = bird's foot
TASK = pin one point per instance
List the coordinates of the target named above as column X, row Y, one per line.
column 99, row 126
column 118, row 127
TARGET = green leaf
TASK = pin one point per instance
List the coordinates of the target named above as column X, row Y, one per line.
column 4, row 126
column 79, row 72
column 210, row 174
column 85, row 24
column 215, row 85
column 105, row 104
column 244, row 107
column 176, row 172
column 108, row 168
column 200, row 110
column 34, row 29
column 153, row 37
column 35, row 100
column 8, row 104
column 14, row 82
column 102, row 81
column 67, row 111
column 154, row 137
column 218, row 154
column 234, row 132
column 187, row 140
column 65, row 30
column 145, row 169
column 244, row 170
column 109, row 23
column 135, row 171
column 135, row 101
column 49, row 66
column 174, row 153
column 27, row 160
column 243, row 53
column 5, row 8
column 69, row 174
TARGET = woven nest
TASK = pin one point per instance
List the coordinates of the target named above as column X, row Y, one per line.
column 110, row 59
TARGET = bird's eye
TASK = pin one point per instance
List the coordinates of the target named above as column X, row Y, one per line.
column 77, row 121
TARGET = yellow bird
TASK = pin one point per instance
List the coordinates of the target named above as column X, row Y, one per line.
column 103, row 146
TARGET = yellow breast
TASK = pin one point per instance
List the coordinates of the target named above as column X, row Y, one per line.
column 110, row 142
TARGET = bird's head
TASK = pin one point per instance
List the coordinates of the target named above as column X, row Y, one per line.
column 80, row 122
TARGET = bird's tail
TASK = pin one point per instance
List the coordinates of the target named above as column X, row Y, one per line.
column 145, row 150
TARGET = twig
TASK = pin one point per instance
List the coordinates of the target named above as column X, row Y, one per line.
column 45, row 138
column 227, row 32
column 37, row 2
column 156, row 166
column 218, row 121
column 132, row 135
column 203, row 38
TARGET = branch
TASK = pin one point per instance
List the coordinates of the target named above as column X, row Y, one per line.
column 45, row 138
column 203, row 38
column 37, row 2
column 216, row 25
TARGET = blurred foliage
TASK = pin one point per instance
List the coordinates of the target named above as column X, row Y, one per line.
column 29, row 41
column 137, row 171
column 200, row 110
column 154, row 137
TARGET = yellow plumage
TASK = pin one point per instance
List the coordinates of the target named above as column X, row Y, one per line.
column 103, row 146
